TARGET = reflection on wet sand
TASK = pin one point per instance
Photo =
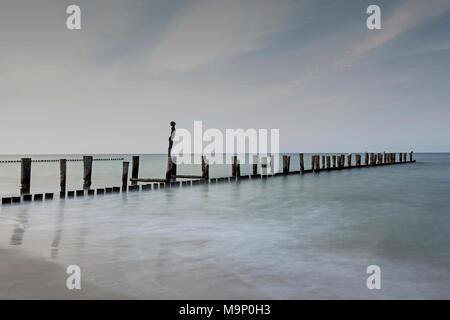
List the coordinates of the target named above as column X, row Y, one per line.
column 58, row 231
column 20, row 227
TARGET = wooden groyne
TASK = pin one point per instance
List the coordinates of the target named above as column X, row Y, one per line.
column 319, row 164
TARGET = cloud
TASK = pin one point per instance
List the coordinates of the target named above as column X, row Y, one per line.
column 214, row 30
column 411, row 14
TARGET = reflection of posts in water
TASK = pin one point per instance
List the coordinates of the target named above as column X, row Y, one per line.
column 20, row 227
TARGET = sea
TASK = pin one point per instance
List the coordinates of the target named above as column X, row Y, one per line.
column 312, row 236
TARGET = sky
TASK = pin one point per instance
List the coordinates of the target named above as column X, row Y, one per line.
column 311, row 69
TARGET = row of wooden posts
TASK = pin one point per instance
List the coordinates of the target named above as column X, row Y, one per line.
column 68, row 160
column 25, row 176
column 318, row 163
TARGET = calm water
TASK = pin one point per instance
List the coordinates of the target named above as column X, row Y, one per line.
column 309, row 236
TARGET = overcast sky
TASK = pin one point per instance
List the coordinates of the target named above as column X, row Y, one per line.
column 309, row 68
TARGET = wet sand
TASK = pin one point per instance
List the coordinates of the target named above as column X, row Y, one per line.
column 26, row 277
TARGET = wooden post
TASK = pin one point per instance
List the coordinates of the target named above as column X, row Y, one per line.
column 87, row 165
column 238, row 169
column 404, row 157
column 25, row 176
column 323, row 162
column 255, row 165
column 358, row 160
column 62, row 176
column 317, row 166
column 349, row 160
column 342, row 160
column 205, row 168
column 384, row 157
column 302, row 166
column 171, row 170
column 328, row 162
column 125, row 167
column 372, row 158
column 394, row 157
column 411, row 156
column 334, row 161
column 285, row 165
column 135, row 169
column 380, row 158
column 366, row 158
column 264, row 166
column 234, row 166
column 313, row 163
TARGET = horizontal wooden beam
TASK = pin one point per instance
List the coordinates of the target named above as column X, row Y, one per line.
column 147, row 180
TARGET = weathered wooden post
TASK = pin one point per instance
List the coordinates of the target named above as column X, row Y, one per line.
column 372, row 159
column 286, row 160
column 234, row 166
column 366, row 158
column 317, row 166
column 87, row 165
column 255, row 165
column 334, row 161
column 264, row 166
column 411, row 156
column 238, row 169
column 349, row 160
column 323, row 162
column 384, row 157
column 125, row 167
column 380, row 158
column 171, row 170
column 358, row 160
column 205, row 168
column 394, row 157
column 328, row 162
column 342, row 160
column 404, row 157
column 25, row 175
column 313, row 163
column 62, row 177
column 302, row 165
column 135, row 169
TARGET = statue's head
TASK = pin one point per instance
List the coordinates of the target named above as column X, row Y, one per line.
column 172, row 123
